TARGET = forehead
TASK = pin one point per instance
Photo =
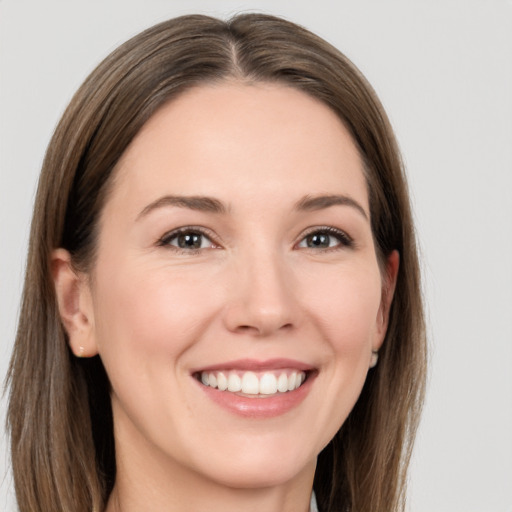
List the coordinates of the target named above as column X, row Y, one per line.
column 222, row 138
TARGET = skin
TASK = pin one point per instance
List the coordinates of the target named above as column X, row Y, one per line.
column 257, row 288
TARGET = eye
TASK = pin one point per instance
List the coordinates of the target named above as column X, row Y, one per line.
column 325, row 238
column 187, row 239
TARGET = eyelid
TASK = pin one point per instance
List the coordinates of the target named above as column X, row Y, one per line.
column 164, row 240
column 345, row 240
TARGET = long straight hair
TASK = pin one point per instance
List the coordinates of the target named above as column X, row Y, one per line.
column 59, row 415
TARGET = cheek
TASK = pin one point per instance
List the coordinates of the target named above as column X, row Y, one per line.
column 347, row 309
column 345, row 314
column 147, row 313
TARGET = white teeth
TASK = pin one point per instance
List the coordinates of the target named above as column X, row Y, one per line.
column 282, row 383
column 268, row 384
column 222, row 382
column 234, row 383
column 291, row 381
column 251, row 383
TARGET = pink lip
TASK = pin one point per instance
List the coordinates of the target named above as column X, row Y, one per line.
column 257, row 407
column 255, row 365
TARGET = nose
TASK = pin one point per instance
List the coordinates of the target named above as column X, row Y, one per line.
column 262, row 296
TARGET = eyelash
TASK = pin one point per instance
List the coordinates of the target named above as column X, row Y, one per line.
column 165, row 240
column 345, row 241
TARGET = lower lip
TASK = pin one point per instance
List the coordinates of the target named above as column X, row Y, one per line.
column 259, row 407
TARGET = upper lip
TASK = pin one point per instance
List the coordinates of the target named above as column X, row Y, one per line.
column 256, row 365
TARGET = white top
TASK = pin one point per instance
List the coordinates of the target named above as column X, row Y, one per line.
column 313, row 507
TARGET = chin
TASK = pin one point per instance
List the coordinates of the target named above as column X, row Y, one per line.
column 259, row 464
column 271, row 473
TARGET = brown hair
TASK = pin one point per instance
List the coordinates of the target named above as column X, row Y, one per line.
column 59, row 414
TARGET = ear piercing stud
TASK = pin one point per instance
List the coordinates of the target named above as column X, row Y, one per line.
column 374, row 359
column 81, row 351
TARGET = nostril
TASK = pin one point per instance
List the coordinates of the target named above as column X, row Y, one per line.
column 249, row 329
column 258, row 319
column 262, row 330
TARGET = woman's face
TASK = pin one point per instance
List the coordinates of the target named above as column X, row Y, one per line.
column 235, row 250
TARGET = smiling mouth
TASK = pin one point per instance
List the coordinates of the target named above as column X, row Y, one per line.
column 254, row 384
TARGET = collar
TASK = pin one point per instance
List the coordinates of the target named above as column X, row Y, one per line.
column 313, row 507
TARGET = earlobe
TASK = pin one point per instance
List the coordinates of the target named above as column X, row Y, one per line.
column 75, row 305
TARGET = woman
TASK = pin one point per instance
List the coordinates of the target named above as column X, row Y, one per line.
column 222, row 305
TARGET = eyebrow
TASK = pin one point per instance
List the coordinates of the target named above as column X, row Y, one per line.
column 198, row 203
column 212, row 205
column 314, row 203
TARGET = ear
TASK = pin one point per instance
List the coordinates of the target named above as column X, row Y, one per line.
column 388, row 291
column 75, row 304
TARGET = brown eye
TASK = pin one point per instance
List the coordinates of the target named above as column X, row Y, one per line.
column 318, row 240
column 188, row 239
column 325, row 239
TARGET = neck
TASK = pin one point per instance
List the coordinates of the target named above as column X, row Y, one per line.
column 173, row 493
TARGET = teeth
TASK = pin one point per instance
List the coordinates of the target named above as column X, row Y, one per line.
column 292, row 381
column 268, row 384
column 282, row 383
column 222, row 382
column 251, row 383
column 234, row 383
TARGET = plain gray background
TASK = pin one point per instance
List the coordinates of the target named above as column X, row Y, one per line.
column 443, row 70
